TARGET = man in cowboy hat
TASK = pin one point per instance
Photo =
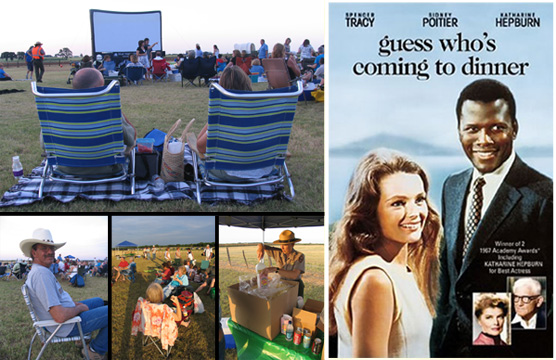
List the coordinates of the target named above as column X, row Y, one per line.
column 38, row 57
column 290, row 263
column 52, row 302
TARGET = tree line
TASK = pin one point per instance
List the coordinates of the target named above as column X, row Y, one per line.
column 20, row 55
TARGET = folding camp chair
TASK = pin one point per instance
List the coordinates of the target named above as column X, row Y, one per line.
column 154, row 321
column 83, row 129
column 207, row 69
column 46, row 336
column 189, row 70
column 278, row 75
column 205, row 264
column 135, row 74
column 159, row 70
column 133, row 270
column 248, row 133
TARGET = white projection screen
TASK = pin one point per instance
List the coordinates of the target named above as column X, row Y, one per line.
column 113, row 31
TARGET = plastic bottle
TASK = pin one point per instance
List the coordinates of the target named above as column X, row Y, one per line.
column 289, row 331
column 17, row 168
column 262, row 279
column 158, row 184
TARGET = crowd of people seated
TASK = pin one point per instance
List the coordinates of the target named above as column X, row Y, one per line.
column 196, row 63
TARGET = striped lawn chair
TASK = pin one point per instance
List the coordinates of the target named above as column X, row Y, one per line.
column 82, row 128
column 247, row 138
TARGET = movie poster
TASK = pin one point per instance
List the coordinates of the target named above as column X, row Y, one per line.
column 396, row 71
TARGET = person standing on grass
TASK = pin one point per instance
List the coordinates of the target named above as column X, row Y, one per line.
column 52, row 302
column 38, row 57
column 178, row 256
column 154, row 253
column 29, row 63
column 167, row 256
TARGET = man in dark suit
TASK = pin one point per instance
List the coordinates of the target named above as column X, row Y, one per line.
column 528, row 304
column 497, row 220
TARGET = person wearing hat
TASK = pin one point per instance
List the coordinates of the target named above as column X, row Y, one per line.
column 52, row 302
column 290, row 263
column 38, row 56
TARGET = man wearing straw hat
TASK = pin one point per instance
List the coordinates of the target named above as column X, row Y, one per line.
column 52, row 302
column 290, row 263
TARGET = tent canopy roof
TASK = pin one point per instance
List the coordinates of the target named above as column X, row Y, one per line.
column 126, row 243
column 266, row 222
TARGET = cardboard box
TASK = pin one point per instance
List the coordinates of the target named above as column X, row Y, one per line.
column 306, row 318
column 259, row 315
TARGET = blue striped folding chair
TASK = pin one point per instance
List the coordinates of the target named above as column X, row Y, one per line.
column 82, row 128
column 247, row 138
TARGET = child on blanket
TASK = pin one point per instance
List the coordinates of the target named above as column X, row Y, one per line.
column 180, row 278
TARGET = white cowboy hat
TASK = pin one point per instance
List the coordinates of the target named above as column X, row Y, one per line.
column 286, row 237
column 40, row 236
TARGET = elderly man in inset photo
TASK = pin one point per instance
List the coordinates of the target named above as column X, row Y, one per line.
column 52, row 302
column 530, row 314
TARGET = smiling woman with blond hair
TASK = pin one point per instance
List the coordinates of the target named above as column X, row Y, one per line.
column 384, row 261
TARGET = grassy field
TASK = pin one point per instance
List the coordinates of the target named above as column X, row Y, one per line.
column 158, row 106
column 229, row 274
column 193, row 342
column 16, row 329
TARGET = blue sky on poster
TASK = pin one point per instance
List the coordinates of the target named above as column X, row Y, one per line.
column 361, row 106
column 86, row 237
column 185, row 23
column 163, row 230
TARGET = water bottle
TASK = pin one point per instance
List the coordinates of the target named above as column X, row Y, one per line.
column 289, row 331
column 158, row 184
column 262, row 279
column 17, row 168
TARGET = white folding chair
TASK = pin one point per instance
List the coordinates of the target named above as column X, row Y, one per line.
column 44, row 335
column 144, row 308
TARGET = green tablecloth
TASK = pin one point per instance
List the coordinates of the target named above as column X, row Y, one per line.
column 253, row 346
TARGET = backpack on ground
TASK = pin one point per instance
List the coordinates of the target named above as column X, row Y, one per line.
column 77, row 281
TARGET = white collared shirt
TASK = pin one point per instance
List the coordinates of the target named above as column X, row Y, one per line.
column 493, row 180
column 532, row 324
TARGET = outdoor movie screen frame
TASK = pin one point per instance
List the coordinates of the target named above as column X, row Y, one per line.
column 113, row 31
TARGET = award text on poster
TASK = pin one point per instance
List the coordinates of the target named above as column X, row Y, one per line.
column 473, row 65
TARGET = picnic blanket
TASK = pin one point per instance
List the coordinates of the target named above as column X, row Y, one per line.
column 27, row 189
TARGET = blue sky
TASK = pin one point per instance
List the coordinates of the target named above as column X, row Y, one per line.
column 361, row 106
column 163, row 230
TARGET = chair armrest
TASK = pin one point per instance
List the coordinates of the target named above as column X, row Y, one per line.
column 192, row 141
column 43, row 323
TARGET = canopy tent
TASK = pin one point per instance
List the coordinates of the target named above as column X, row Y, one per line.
column 268, row 222
column 126, row 243
column 69, row 257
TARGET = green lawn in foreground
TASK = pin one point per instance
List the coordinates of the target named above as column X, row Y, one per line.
column 151, row 106
column 16, row 327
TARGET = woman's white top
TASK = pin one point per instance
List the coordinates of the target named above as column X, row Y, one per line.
column 411, row 328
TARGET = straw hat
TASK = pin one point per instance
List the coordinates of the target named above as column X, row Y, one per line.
column 40, row 236
column 286, row 237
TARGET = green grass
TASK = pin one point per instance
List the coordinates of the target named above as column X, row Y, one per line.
column 158, row 106
column 193, row 342
column 16, row 329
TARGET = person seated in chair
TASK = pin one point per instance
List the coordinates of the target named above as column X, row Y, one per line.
column 52, row 302
column 208, row 281
column 162, row 64
column 256, row 68
column 91, row 78
column 123, row 269
column 233, row 78
column 179, row 279
column 279, row 52
column 4, row 76
column 166, row 276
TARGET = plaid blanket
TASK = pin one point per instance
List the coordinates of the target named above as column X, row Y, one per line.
column 27, row 189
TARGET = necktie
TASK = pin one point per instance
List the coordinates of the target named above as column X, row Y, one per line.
column 475, row 212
